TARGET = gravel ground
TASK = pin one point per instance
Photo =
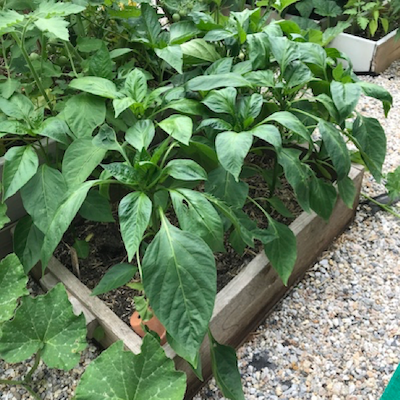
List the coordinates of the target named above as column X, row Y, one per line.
column 335, row 336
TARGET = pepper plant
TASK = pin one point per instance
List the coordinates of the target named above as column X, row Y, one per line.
column 173, row 115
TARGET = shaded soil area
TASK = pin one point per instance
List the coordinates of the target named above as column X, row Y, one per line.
column 107, row 249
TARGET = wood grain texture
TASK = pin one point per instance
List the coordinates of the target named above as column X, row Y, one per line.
column 385, row 53
column 114, row 328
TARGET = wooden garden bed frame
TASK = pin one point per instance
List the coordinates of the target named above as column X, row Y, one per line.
column 239, row 307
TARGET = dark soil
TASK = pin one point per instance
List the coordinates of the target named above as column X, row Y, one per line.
column 107, row 249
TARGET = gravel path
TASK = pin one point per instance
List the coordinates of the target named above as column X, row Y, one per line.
column 336, row 335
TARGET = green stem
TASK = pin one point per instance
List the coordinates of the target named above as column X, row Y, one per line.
column 172, row 145
column 21, row 45
column 139, row 265
column 259, row 207
column 381, row 205
column 24, row 385
column 28, row 377
column 4, row 53
column 71, row 60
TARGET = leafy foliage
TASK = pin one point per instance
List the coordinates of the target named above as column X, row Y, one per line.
column 172, row 117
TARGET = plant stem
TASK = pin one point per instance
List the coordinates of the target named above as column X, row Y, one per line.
column 21, row 45
column 385, row 207
column 71, row 60
column 4, row 53
column 28, row 377
column 24, row 385
column 139, row 265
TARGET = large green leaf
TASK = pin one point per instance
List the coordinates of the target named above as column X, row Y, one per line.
column 280, row 248
column 120, row 105
column 284, row 51
column 136, row 85
column 95, row 85
column 62, row 219
column 179, row 278
column 336, row 148
column 150, row 23
column 322, row 197
column 100, row 63
column 371, row 139
column 122, row 172
column 3, row 215
column 393, row 184
column 134, row 215
column 182, row 31
column 43, row 194
column 8, row 19
column 209, row 82
column 180, row 127
column 13, row 282
column 186, row 170
column 197, row 51
column 49, row 9
column 259, row 50
column 57, row 26
column 347, row 191
column 345, row 96
column 222, row 101
column 80, row 159
column 28, row 241
column 223, row 185
column 118, row 374
column 268, row 133
column 21, row 163
column 96, row 208
column 232, row 148
column 116, row 276
column 225, row 370
column 55, row 128
column 140, row 134
column 84, row 113
column 173, row 56
column 46, row 323
column 18, row 107
column 196, row 214
column 379, row 93
column 298, row 175
column 291, row 122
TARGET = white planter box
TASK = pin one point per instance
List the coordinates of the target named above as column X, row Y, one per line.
column 368, row 55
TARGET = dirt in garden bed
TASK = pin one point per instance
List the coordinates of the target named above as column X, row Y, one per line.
column 107, row 249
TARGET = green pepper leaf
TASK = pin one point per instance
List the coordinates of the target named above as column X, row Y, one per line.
column 179, row 278
column 185, row 170
column 180, row 127
column 134, row 216
column 21, row 163
column 232, row 148
column 118, row 275
column 196, row 214
column 225, row 369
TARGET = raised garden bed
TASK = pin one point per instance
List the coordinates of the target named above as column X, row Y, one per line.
column 240, row 306
column 368, row 55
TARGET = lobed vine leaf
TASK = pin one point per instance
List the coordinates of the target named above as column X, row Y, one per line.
column 122, row 375
column 13, row 282
column 46, row 323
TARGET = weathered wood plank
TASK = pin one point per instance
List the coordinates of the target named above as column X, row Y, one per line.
column 114, row 328
column 386, row 52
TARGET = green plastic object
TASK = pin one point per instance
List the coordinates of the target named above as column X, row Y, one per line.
column 392, row 391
